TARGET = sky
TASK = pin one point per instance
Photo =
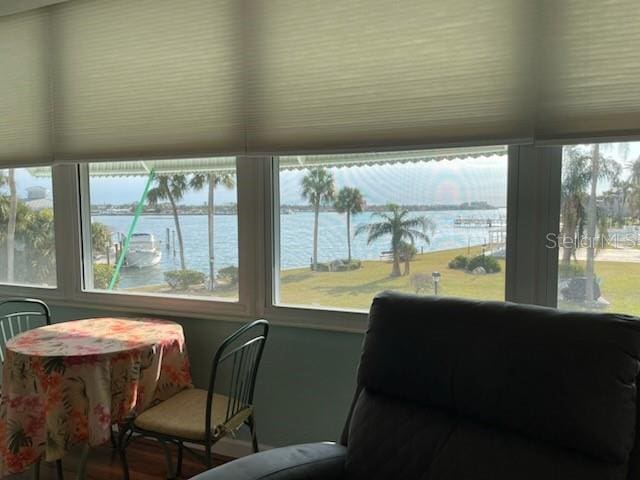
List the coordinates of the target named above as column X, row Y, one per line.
column 426, row 183
column 444, row 182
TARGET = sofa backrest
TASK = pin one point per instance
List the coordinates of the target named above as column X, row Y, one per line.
column 484, row 389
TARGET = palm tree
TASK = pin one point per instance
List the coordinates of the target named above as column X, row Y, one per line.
column 400, row 227
column 349, row 201
column 37, row 232
column 576, row 175
column 172, row 188
column 407, row 253
column 213, row 180
column 317, row 188
column 634, row 182
column 601, row 168
column 9, row 179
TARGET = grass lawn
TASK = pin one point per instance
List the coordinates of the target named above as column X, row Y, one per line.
column 619, row 285
column 356, row 288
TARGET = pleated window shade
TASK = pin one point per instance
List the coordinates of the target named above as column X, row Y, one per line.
column 25, row 97
column 87, row 80
column 336, row 74
column 590, row 59
column 146, row 78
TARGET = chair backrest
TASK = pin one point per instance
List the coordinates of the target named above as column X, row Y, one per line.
column 18, row 315
column 456, row 389
column 239, row 356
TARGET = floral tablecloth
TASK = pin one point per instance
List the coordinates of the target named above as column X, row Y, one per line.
column 67, row 383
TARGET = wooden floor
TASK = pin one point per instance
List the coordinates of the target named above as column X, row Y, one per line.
column 146, row 462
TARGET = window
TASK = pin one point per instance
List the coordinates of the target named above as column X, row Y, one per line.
column 599, row 241
column 27, row 241
column 166, row 228
column 429, row 222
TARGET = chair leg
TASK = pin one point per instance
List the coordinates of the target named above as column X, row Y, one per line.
column 122, row 451
column 36, row 470
column 251, row 421
column 179, row 462
column 82, row 466
column 171, row 473
column 114, row 442
column 59, row 471
column 207, row 455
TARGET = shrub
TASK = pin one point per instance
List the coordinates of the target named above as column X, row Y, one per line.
column 570, row 270
column 322, row 267
column 183, row 279
column 344, row 265
column 459, row 263
column 228, row 275
column 102, row 274
column 489, row 263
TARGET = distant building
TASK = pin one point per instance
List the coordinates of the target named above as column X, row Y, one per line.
column 38, row 198
column 37, row 193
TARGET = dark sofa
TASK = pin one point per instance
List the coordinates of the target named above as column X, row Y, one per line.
column 453, row 389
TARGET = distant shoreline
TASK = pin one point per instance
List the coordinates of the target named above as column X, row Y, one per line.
column 288, row 209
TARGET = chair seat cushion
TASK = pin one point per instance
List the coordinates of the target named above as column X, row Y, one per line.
column 183, row 416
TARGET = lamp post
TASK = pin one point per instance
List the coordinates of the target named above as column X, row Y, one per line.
column 435, row 276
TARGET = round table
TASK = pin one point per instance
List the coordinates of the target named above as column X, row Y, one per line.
column 67, row 383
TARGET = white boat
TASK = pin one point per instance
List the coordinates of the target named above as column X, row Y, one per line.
column 144, row 251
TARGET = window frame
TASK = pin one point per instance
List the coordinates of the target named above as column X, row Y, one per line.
column 532, row 211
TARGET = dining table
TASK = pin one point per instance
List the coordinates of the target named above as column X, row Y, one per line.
column 68, row 383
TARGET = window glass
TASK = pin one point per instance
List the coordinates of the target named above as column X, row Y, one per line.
column 27, row 240
column 599, row 241
column 164, row 228
column 427, row 222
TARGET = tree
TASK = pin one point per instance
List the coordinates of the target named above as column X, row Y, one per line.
column 10, row 210
column 349, row 200
column 100, row 237
column 575, row 179
column 400, row 227
column 601, row 168
column 317, row 188
column 38, row 234
column 171, row 188
column 634, row 187
column 408, row 252
column 213, row 180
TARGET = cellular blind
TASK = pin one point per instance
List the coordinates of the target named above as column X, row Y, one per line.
column 590, row 70
column 25, row 97
column 86, row 80
column 148, row 78
column 336, row 74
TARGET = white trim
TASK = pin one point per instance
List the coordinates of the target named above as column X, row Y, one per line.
column 532, row 206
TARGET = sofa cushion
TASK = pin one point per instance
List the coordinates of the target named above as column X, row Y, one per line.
column 402, row 440
column 565, row 378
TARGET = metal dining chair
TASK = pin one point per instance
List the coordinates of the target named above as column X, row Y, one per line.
column 17, row 315
column 203, row 417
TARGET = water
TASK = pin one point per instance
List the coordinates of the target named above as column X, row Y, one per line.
column 296, row 239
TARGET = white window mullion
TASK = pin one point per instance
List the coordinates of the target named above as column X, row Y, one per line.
column 249, row 231
column 67, row 230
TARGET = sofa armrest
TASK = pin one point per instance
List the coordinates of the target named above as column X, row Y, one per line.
column 311, row 461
